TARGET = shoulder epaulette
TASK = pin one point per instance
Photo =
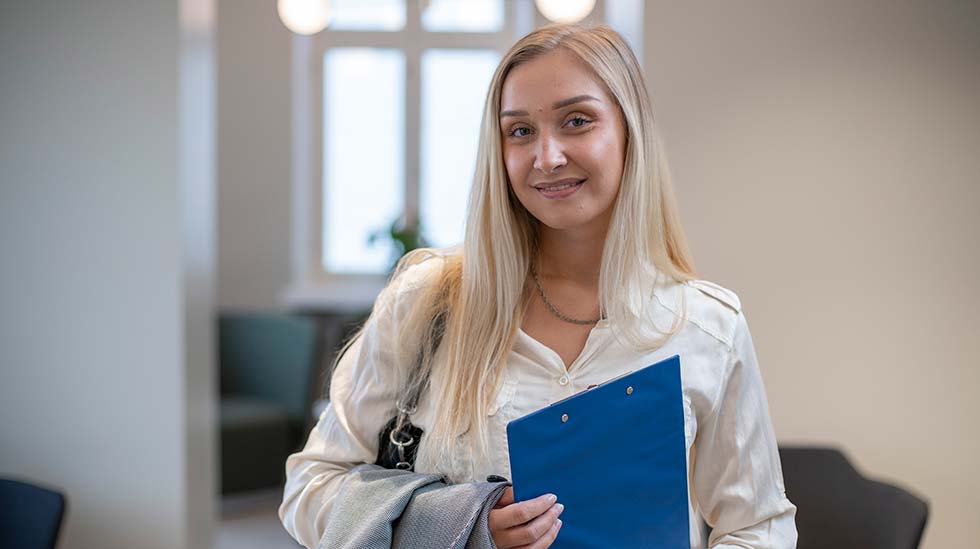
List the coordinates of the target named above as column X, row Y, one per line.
column 722, row 294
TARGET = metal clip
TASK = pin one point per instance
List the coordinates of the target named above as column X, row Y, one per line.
column 405, row 411
column 403, row 463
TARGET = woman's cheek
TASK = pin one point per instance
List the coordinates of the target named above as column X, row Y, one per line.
column 611, row 155
column 513, row 164
column 604, row 144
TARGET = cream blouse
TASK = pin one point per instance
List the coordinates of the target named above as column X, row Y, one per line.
column 735, row 480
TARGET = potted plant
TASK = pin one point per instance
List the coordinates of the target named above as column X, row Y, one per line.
column 402, row 237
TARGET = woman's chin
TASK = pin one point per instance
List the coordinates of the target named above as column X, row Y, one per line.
column 567, row 223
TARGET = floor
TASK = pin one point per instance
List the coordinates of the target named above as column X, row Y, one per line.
column 250, row 521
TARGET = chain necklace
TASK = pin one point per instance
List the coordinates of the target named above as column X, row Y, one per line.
column 554, row 310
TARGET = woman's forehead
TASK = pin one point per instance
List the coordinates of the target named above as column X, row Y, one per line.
column 544, row 82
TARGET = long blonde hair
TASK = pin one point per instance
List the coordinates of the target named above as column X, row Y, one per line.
column 482, row 288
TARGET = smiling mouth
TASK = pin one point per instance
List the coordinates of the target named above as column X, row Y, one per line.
column 558, row 185
column 559, row 189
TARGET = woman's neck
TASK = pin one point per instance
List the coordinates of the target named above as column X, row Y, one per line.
column 571, row 255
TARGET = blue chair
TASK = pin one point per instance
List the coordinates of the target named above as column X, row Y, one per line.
column 267, row 362
column 30, row 516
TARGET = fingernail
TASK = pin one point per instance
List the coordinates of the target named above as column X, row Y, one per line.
column 552, row 498
column 560, row 508
column 559, row 523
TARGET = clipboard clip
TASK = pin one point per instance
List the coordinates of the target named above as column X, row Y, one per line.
column 629, row 391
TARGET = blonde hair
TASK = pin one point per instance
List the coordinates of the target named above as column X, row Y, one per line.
column 483, row 289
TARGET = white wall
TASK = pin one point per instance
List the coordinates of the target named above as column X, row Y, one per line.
column 254, row 90
column 825, row 155
column 106, row 263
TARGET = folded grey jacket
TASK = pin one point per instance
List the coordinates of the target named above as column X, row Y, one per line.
column 387, row 508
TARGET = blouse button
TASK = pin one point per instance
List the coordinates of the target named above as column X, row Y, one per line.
column 563, row 380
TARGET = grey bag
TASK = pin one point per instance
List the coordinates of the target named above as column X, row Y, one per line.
column 378, row 508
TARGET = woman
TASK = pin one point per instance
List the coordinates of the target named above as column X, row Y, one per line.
column 574, row 269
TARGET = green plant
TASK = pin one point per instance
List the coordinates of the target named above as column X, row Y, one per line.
column 402, row 238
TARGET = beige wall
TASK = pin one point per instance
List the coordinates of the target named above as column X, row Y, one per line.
column 254, row 90
column 826, row 160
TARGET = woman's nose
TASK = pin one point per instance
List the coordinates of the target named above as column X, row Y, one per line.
column 550, row 155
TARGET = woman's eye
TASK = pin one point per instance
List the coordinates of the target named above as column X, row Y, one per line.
column 578, row 122
column 520, row 132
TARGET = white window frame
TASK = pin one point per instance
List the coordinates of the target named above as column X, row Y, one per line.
column 312, row 286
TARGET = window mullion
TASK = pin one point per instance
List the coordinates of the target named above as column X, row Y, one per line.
column 413, row 108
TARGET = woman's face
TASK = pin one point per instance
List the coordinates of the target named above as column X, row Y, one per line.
column 564, row 142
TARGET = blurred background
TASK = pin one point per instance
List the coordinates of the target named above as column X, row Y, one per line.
column 198, row 203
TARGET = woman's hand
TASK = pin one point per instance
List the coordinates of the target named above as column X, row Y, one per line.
column 531, row 524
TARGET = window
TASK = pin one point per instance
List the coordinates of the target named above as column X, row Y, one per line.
column 363, row 155
column 402, row 88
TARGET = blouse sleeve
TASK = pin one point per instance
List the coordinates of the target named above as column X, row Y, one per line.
column 363, row 391
column 738, row 479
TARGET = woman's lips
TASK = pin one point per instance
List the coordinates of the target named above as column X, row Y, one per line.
column 559, row 189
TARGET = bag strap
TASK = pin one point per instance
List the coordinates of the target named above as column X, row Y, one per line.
column 403, row 434
column 414, row 391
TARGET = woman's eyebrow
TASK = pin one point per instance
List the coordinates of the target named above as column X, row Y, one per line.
column 572, row 100
column 505, row 114
column 557, row 105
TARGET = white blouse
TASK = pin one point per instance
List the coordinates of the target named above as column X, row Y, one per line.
column 734, row 476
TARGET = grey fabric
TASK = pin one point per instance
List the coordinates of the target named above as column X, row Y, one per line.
column 449, row 516
column 386, row 508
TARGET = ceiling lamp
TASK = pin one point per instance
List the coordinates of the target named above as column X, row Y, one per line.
column 304, row 16
column 565, row 11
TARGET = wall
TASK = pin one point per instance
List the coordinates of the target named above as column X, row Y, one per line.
column 254, row 90
column 825, row 155
column 106, row 266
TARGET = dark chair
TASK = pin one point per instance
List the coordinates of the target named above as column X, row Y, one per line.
column 266, row 362
column 838, row 508
column 30, row 516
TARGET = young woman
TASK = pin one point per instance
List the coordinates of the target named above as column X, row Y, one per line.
column 574, row 269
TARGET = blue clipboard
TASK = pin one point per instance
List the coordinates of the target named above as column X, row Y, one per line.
column 615, row 456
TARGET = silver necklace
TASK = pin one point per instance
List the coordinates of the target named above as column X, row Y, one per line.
column 554, row 310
